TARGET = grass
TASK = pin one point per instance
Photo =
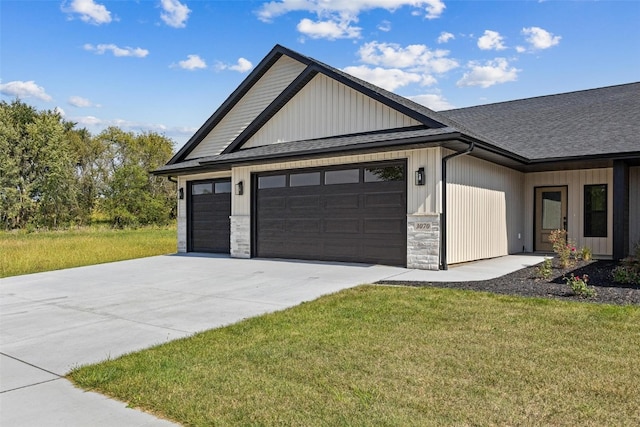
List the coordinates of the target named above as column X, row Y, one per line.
column 24, row 253
column 394, row 356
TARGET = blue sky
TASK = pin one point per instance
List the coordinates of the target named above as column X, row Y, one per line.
column 166, row 65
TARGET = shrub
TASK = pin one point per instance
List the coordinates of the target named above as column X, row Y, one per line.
column 629, row 269
column 563, row 247
column 585, row 253
column 545, row 269
column 579, row 286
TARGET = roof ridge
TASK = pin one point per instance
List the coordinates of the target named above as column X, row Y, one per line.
column 538, row 97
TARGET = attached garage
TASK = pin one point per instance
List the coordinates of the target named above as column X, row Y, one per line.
column 351, row 213
column 209, row 211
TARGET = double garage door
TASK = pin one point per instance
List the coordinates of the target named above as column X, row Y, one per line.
column 354, row 213
column 351, row 213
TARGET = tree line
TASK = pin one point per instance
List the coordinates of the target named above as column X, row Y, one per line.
column 55, row 175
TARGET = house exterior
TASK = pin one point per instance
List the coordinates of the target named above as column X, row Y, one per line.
column 304, row 161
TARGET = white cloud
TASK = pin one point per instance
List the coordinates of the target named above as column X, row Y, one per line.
column 491, row 40
column 117, row 51
column 432, row 100
column 385, row 26
column 21, row 89
column 521, row 49
column 331, row 30
column 445, row 37
column 415, row 57
column 175, row 14
column 335, row 16
column 387, row 78
column 540, row 39
column 489, row 73
column 193, row 62
column 431, row 8
column 80, row 102
column 242, row 66
column 89, row 11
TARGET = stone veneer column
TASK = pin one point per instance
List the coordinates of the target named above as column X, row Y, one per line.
column 240, row 236
column 182, row 225
column 423, row 241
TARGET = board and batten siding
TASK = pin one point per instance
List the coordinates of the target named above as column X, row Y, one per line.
column 574, row 180
column 272, row 83
column 634, row 206
column 484, row 210
column 326, row 107
column 420, row 199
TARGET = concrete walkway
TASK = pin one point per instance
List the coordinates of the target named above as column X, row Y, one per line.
column 51, row 322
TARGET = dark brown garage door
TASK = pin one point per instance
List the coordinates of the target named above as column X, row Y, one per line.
column 209, row 210
column 354, row 213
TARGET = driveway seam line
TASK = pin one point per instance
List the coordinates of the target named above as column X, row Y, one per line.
column 30, row 364
column 32, row 385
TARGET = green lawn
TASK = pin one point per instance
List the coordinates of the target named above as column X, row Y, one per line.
column 23, row 253
column 395, row 356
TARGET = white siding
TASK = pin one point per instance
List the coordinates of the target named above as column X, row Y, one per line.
column 634, row 206
column 575, row 181
column 484, row 210
column 274, row 81
column 326, row 107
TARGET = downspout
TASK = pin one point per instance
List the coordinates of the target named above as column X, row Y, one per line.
column 443, row 215
column 172, row 179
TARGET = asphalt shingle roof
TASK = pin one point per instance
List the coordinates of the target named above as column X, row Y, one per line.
column 589, row 122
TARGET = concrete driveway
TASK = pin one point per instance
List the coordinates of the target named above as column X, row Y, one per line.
column 51, row 322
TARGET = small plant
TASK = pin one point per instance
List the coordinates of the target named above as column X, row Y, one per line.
column 545, row 269
column 563, row 247
column 579, row 286
column 585, row 253
column 629, row 269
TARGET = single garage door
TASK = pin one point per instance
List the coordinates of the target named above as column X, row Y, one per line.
column 209, row 210
column 352, row 213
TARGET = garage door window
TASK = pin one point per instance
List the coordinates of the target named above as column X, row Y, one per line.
column 304, row 179
column 198, row 189
column 223, row 187
column 388, row 173
column 345, row 176
column 274, row 181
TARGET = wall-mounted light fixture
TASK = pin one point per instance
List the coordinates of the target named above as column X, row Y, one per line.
column 181, row 193
column 420, row 176
column 240, row 188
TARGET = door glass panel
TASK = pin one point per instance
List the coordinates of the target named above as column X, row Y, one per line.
column 388, row 173
column 198, row 189
column 273, row 181
column 552, row 210
column 346, row 176
column 223, row 187
column 303, row 179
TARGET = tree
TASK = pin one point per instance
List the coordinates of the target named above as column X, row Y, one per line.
column 132, row 195
column 37, row 185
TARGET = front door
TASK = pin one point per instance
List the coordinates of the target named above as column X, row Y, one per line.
column 551, row 214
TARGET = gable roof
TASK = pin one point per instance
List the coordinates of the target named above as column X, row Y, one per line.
column 592, row 122
column 416, row 111
column 519, row 134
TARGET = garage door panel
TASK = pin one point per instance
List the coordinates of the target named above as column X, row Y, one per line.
column 384, row 226
column 394, row 199
column 341, row 201
column 304, row 202
column 331, row 221
column 302, row 225
column 342, row 225
column 274, row 202
column 209, row 210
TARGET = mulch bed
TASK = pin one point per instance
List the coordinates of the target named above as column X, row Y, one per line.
column 527, row 282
